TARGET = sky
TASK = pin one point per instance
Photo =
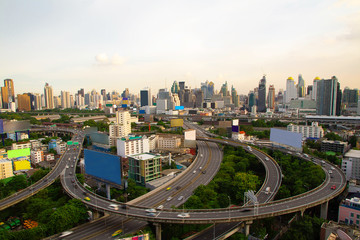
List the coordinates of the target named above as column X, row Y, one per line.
column 115, row 44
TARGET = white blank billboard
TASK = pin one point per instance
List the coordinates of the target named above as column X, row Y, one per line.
column 286, row 137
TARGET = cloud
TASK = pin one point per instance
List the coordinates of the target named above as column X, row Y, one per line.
column 104, row 60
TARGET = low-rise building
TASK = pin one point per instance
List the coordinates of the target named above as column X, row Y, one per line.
column 36, row 156
column 314, row 131
column 144, row 167
column 351, row 164
column 169, row 142
column 16, row 146
column 132, row 145
column 349, row 211
column 334, row 146
column 153, row 142
column 49, row 157
column 21, row 164
column 6, row 168
column 60, row 148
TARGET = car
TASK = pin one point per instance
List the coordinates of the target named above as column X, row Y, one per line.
column 114, row 206
column 330, row 172
column 267, row 159
column 332, row 168
column 66, row 233
column 45, row 180
column 85, row 193
column 245, row 210
column 183, row 215
column 125, row 207
column 203, row 172
column 169, row 198
column 201, row 155
column 87, row 199
column 150, row 210
column 151, row 214
column 333, row 187
column 160, row 207
column 67, row 166
column 70, row 173
column 168, row 188
column 72, row 180
column 200, row 168
column 117, row 232
column 180, row 198
column 72, row 166
column 178, row 187
column 194, row 171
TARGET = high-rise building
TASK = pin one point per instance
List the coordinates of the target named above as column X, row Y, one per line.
column 7, row 93
column 37, row 102
column 175, row 87
column 103, row 94
column 224, row 90
column 314, row 88
column 350, row 97
column 6, row 168
column 290, row 90
column 261, row 106
column 327, row 97
column 301, row 86
column 181, row 86
column 234, row 97
column 145, row 98
column 49, row 98
column 121, row 128
column 65, row 100
column 24, row 102
column 271, row 97
column 125, row 93
column 199, row 98
column 252, row 100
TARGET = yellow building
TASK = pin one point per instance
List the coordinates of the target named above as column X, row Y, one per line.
column 6, row 168
column 24, row 102
column 176, row 122
column 21, row 165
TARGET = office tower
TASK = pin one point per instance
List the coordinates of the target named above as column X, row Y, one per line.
column 23, row 102
column 49, row 98
column 261, row 106
column 301, row 87
column 314, row 88
column 350, row 97
column 338, row 100
column 224, row 90
column 199, row 96
column 252, row 100
column 81, row 92
column 280, row 97
column 37, row 102
column 290, row 90
column 234, row 97
column 145, row 97
column 309, row 90
column 65, row 100
column 327, row 97
column 7, row 93
column 57, row 102
column 271, row 97
column 87, row 99
column 164, row 101
column 121, row 128
column 175, row 87
column 125, row 93
column 103, row 94
column 181, row 86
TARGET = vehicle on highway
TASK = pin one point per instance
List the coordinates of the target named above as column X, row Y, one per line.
column 267, row 159
column 194, row 171
column 200, row 168
column 178, row 187
column 267, row 190
column 330, row 172
column 169, row 198
column 87, row 199
column 181, row 198
column 73, row 180
column 67, row 166
column 160, row 207
column 183, row 215
column 203, row 172
column 201, row 155
column 151, row 214
column 125, row 207
column 332, row 168
column 168, row 188
column 70, row 173
column 150, row 210
column 245, row 210
column 249, row 148
column 66, row 233
column 72, row 166
column 117, row 232
column 114, row 206
column 333, row 187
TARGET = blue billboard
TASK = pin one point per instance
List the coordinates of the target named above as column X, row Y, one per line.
column 124, row 105
column 141, row 111
column 179, row 107
column 103, row 166
column 286, row 137
column 235, row 128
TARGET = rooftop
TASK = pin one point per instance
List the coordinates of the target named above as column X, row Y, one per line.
column 353, row 154
column 144, row 156
column 4, row 160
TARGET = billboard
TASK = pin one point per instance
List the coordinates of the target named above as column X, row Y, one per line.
column 176, row 122
column 99, row 138
column 21, row 165
column 18, row 153
column 103, row 166
column 235, row 128
column 179, row 107
column 14, row 126
column 285, row 137
column 141, row 111
column 235, row 122
column 124, row 105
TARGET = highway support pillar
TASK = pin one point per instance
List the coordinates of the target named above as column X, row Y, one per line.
column 108, row 191
column 324, row 210
column 96, row 214
column 158, row 231
column 247, row 227
column 302, row 212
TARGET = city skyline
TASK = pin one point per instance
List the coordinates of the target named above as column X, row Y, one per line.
column 117, row 45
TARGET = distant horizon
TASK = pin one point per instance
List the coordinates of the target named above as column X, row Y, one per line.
column 117, row 44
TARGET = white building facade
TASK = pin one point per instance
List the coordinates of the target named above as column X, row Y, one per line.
column 351, row 164
column 121, row 128
column 132, row 145
column 313, row 131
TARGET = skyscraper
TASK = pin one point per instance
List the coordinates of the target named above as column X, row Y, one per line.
column 252, row 99
column 290, row 90
column 271, row 97
column 24, row 102
column 145, row 97
column 314, row 88
column 234, row 97
column 65, row 99
column 49, row 98
column 262, row 95
column 350, row 97
column 327, row 97
column 175, row 87
column 301, row 86
column 7, row 93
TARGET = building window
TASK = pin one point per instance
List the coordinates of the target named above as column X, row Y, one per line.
column 351, row 214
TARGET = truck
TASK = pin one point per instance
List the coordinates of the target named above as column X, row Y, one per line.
column 267, row 190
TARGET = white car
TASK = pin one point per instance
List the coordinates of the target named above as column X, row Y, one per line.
column 150, row 210
column 160, row 207
column 63, row 234
column 181, row 198
column 194, row 171
column 183, row 215
column 114, row 206
column 267, row 159
column 332, row 168
column 169, row 198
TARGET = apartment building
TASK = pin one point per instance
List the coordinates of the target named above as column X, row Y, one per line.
column 313, row 131
column 16, row 146
column 132, row 145
column 36, row 156
column 121, row 128
column 169, row 142
column 6, row 168
column 144, row 167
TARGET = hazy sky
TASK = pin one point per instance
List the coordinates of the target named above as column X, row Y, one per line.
column 115, row 44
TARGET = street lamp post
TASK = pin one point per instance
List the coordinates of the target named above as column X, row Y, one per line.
column 229, row 207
